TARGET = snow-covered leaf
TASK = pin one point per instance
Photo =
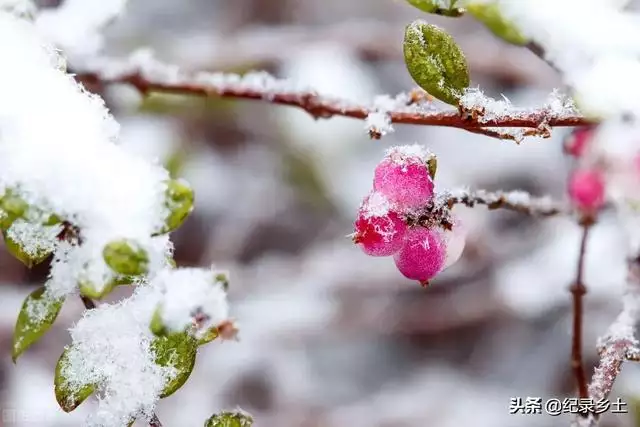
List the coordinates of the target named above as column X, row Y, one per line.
column 92, row 290
column 68, row 396
column 177, row 351
column 179, row 202
column 126, row 257
column 435, row 61
column 36, row 316
column 230, row 419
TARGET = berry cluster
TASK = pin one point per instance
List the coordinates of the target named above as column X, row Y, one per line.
column 403, row 188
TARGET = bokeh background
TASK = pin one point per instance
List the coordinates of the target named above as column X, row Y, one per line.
column 328, row 336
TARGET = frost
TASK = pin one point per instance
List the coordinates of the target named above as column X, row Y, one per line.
column 376, row 204
column 378, row 122
column 34, row 239
column 491, row 109
column 402, row 153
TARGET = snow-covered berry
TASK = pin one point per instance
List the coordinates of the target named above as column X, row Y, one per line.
column 423, row 254
column 426, row 252
column 379, row 231
column 586, row 189
column 403, row 177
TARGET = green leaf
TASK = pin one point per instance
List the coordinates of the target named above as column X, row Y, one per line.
column 69, row 396
column 90, row 290
column 435, row 7
column 230, row 419
column 435, row 61
column 491, row 16
column 12, row 207
column 36, row 316
column 29, row 259
column 157, row 325
column 432, row 166
column 178, row 351
column 209, row 336
column 126, row 257
column 179, row 202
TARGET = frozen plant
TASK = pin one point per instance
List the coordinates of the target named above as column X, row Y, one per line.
column 70, row 192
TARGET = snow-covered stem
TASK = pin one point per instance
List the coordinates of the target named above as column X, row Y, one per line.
column 619, row 343
column 519, row 201
column 150, row 75
column 578, row 290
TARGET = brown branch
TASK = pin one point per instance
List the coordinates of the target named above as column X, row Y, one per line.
column 439, row 211
column 149, row 75
column 578, row 290
column 518, row 201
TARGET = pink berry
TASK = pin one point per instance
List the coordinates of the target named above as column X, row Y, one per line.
column 455, row 240
column 403, row 177
column 586, row 189
column 379, row 231
column 423, row 254
column 577, row 141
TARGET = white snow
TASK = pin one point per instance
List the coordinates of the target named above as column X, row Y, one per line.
column 57, row 147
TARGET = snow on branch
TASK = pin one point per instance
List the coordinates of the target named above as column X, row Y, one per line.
column 148, row 74
column 618, row 344
column 439, row 210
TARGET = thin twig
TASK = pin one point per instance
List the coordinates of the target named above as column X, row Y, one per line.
column 88, row 302
column 518, row 201
column 619, row 342
column 149, row 75
column 155, row 421
column 578, row 290
column 439, row 211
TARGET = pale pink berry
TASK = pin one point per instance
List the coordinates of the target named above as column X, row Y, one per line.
column 577, row 141
column 423, row 254
column 379, row 231
column 586, row 189
column 455, row 240
column 403, row 177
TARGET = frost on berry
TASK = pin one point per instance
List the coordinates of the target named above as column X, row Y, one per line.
column 577, row 141
column 423, row 254
column 428, row 251
column 379, row 231
column 403, row 177
column 586, row 189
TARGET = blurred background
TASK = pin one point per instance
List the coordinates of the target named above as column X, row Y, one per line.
column 328, row 336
